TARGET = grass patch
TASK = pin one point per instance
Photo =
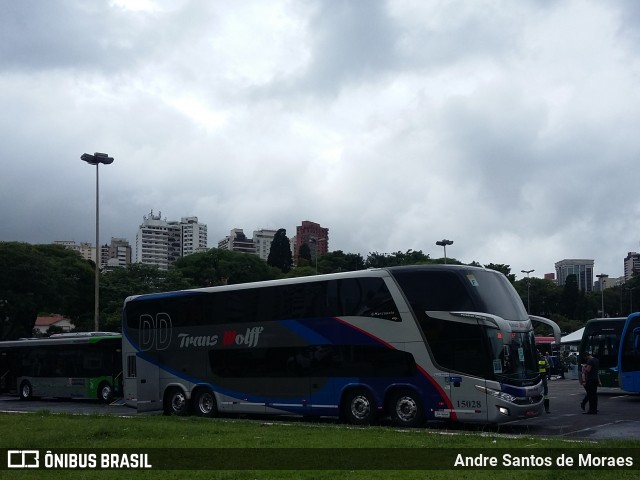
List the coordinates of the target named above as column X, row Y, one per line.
column 55, row 431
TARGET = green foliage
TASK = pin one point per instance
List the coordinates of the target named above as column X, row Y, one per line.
column 303, row 271
column 304, row 253
column 38, row 278
column 135, row 279
column 339, row 261
column 159, row 434
column 410, row 257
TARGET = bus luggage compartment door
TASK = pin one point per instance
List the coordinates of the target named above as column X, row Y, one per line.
column 148, row 386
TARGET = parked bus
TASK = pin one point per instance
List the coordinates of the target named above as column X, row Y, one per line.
column 67, row 365
column 414, row 343
column 629, row 358
column 601, row 337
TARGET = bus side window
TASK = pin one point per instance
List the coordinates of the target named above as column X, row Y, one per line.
column 368, row 297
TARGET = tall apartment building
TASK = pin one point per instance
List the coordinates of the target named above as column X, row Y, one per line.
column 237, row 241
column 581, row 268
column 631, row 266
column 194, row 236
column 160, row 242
column 263, row 239
column 315, row 236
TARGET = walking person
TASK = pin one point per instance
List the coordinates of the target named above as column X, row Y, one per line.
column 583, row 382
column 543, row 368
column 591, row 383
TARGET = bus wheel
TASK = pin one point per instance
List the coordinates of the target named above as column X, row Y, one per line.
column 359, row 408
column 105, row 393
column 26, row 390
column 406, row 409
column 205, row 403
column 176, row 403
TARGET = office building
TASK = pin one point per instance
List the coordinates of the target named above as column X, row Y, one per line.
column 581, row 268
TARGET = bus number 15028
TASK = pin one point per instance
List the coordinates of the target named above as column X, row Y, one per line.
column 469, row 404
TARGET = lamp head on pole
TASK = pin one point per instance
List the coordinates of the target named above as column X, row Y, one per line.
column 444, row 243
column 97, row 158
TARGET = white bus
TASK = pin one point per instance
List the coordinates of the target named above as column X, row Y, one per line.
column 414, row 343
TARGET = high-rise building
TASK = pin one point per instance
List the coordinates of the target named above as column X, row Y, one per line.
column 237, row 241
column 152, row 241
column 315, row 236
column 160, row 242
column 631, row 266
column 194, row 236
column 581, row 268
column 262, row 240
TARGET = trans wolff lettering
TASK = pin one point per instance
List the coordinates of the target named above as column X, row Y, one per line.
column 230, row 337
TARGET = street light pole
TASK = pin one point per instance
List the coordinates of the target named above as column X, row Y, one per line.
column 528, row 288
column 315, row 241
column 443, row 243
column 602, row 276
column 96, row 159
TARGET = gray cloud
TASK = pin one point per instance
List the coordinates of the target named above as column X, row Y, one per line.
column 509, row 127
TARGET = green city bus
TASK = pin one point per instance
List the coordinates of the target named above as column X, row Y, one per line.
column 69, row 365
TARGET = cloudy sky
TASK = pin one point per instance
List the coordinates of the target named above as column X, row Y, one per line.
column 509, row 127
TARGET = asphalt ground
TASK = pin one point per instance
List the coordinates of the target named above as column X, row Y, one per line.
column 618, row 417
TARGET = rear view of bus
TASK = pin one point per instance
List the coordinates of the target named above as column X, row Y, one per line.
column 415, row 344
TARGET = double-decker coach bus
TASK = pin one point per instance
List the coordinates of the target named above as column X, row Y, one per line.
column 629, row 356
column 601, row 338
column 67, row 365
column 414, row 343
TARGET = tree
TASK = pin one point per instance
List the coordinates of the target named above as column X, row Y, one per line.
column 41, row 278
column 221, row 267
column 134, row 279
column 304, row 254
column 410, row 257
column 338, row 261
column 280, row 253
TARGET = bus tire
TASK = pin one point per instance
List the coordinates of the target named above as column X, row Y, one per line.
column 26, row 390
column 204, row 403
column 406, row 409
column 359, row 407
column 105, row 392
column 176, row 403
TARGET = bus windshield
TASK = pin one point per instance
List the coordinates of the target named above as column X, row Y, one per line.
column 460, row 345
column 515, row 363
column 469, row 290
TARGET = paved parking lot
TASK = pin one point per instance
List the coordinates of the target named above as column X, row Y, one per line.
column 619, row 414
